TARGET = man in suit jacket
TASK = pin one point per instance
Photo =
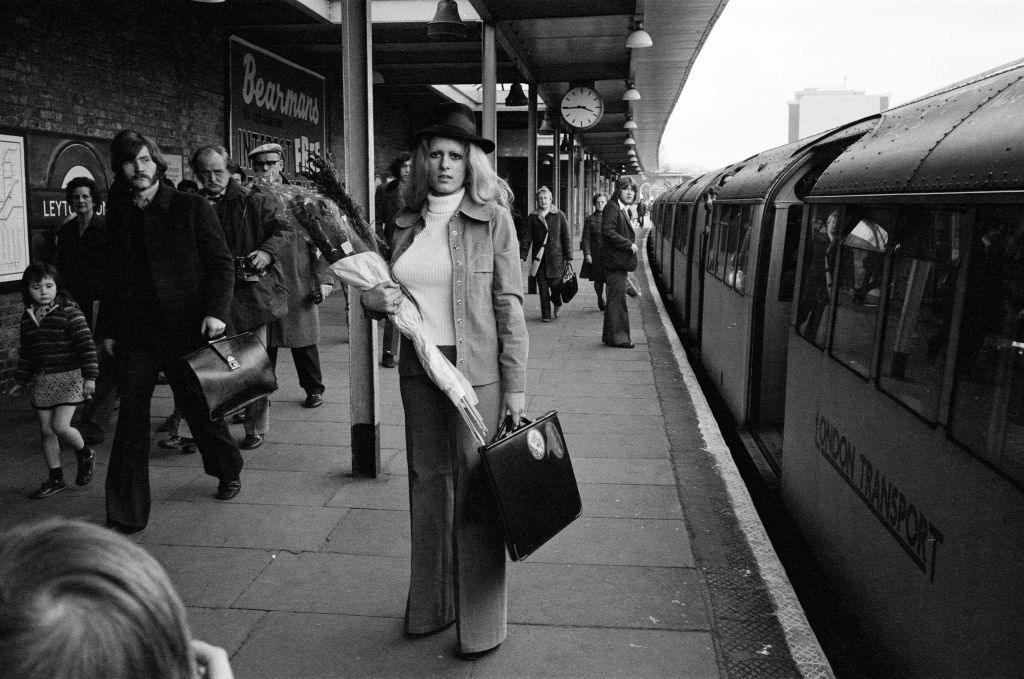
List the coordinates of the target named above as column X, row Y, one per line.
column 168, row 289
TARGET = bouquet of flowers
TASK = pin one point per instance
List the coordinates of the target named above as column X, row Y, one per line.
column 333, row 223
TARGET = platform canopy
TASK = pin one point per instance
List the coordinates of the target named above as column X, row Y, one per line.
column 551, row 43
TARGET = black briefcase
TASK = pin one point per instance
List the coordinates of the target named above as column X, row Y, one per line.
column 534, row 487
column 231, row 373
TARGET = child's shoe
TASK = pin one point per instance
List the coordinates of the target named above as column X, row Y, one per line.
column 50, row 487
column 86, row 459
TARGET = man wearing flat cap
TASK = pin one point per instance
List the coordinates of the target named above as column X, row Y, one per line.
column 309, row 282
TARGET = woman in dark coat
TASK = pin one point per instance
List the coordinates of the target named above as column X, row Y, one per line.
column 591, row 244
column 618, row 258
column 548, row 221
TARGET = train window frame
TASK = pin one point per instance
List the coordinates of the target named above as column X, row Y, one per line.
column 967, row 324
column 732, row 269
column 788, row 269
column 680, row 235
column 860, row 222
column 711, row 227
column 894, row 362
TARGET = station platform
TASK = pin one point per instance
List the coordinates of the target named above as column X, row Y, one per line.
column 668, row 573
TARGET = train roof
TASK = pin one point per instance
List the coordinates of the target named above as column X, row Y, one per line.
column 693, row 190
column 967, row 137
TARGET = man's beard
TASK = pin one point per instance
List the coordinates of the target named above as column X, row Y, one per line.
column 150, row 181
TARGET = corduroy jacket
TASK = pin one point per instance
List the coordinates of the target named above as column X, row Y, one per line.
column 487, row 290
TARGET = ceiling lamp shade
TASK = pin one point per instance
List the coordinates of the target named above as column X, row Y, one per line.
column 631, row 93
column 639, row 38
column 630, row 124
column 629, row 141
column 446, row 24
column 516, row 96
column 631, row 153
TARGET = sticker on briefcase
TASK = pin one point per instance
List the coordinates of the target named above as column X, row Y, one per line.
column 555, row 440
column 536, row 444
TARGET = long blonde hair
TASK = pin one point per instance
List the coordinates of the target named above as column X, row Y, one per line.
column 482, row 183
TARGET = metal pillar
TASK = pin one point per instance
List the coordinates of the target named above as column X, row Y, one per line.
column 531, row 153
column 570, row 185
column 490, row 84
column 357, row 93
column 556, row 169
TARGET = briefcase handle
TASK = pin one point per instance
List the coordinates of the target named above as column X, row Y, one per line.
column 223, row 350
column 507, row 426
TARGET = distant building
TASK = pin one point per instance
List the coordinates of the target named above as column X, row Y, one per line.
column 816, row 110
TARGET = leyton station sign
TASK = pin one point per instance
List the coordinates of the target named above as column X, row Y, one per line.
column 274, row 100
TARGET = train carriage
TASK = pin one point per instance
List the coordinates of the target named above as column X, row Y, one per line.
column 904, row 431
column 858, row 299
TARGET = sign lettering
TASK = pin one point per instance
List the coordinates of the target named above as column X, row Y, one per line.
column 914, row 533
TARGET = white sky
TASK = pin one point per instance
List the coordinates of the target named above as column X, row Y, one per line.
column 760, row 52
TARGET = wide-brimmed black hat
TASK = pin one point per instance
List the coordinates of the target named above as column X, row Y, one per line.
column 455, row 121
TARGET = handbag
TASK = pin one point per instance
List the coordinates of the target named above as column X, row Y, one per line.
column 231, row 372
column 569, row 286
column 586, row 270
column 530, row 475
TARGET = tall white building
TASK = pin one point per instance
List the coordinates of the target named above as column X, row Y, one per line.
column 816, row 110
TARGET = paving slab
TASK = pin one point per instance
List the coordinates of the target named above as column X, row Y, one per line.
column 344, row 647
column 582, row 595
column 234, row 524
column 648, row 444
column 610, row 500
column 624, row 542
column 331, row 583
column 277, row 487
column 380, row 532
column 224, row 627
column 211, row 577
column 390, row 492
column 641, row 471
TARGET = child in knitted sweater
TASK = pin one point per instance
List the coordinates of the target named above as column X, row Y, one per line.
column 58, row 356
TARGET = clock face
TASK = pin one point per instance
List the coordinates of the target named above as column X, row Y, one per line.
column 582, row 107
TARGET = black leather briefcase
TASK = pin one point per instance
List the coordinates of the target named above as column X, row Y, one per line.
column 231, row 373
column 534, row 487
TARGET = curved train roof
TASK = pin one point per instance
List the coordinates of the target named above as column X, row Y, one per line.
column 965, row 138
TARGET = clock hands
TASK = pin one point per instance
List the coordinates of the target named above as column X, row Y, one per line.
column 585, row 108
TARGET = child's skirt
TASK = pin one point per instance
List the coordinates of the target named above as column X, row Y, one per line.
column 50, row 390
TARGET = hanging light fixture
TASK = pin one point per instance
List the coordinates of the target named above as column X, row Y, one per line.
column 447, row 24
column 629, row 141
column 516, row 96
column 631, row 93
column 630, row 124
column 639, row 38
column 631, row 153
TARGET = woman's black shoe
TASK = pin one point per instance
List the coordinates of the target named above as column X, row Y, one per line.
column 625, row 345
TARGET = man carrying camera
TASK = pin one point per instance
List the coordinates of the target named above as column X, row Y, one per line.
column 258, row 238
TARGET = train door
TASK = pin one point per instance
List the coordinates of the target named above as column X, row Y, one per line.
column 776, row 273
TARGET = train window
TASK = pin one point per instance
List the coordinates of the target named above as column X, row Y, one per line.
column 722, row 227
column 710, row 238
column 681, row 240
column 735, row 275
column 988, row 401
column 787, row 275
column 922, row 283
column 816, row 281
column 859, row 282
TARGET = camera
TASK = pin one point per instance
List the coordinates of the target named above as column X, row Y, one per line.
column 246, row 270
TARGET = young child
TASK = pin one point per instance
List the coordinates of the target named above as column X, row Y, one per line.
column 58, row 356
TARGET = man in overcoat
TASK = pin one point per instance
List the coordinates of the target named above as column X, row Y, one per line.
column 257, row 236
column 309, row 282
column 167, row 290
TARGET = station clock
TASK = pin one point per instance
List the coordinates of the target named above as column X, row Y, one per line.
column 582, row 107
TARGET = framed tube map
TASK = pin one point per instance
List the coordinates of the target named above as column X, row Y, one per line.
column 14, row 243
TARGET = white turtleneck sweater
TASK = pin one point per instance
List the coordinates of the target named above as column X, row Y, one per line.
column 425, row 269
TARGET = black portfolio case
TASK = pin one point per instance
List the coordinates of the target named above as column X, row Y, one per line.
column 531, row 476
